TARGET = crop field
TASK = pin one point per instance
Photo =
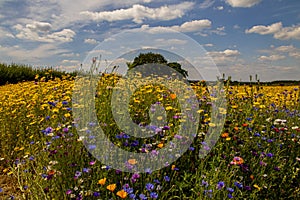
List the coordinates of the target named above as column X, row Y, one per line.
column 42, row 155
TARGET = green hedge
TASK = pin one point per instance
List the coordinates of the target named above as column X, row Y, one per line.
column 15, row 73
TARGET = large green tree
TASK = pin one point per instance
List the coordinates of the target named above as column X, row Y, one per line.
column 145, row 58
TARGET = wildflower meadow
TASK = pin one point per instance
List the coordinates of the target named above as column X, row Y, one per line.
column 43, row 156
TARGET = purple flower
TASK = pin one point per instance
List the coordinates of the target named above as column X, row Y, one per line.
column 248, row 187
column 92, row 162
column 156, row 181
column 149, row 186
column 239, row 185
column 86, row 170
column 277, row 168
column 230, row 196
column 208, row 193
column 205, row 183
column 68, row 192
column 143, row 197
column 166, row 178
column 231, row 190
column 96, row 194
column 270, row 155
column 262, row 163
column 220, row 185
column 153, row 195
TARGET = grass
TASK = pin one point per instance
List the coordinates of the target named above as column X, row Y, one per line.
column 257, row 154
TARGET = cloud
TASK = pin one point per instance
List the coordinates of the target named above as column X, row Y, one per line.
column 208, row 45
column 138, row 13
column 219, row 31
column 40, row 31
column 192, row 26
column 70, row 55
column 39, row 26
column 288, row 33
column 5, row 34
column 90, row 41
column 219, row 8
column 242, row 3
column 170, row 41
column 288, row 48
column 271, row 57
column 30, row 56
column 278, row 31
column 279, row 53
column 224, row 57
column 264, row 30
column 66, row 61
column 206, row 4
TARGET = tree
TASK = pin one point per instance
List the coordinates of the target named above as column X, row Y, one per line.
column 145, row 58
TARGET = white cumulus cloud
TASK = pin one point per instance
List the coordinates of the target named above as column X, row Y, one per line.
column 138, row 13
column 41, row 32
column 243, row 3
column 278, row 31
column 90, row 41
column 274, row 57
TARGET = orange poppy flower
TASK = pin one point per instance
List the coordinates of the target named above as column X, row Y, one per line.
column 122, row 194
column 111, row 187
column 173, row 96
column 160, row 145
column 132, row 161
column 102, row 181
column 225, row 135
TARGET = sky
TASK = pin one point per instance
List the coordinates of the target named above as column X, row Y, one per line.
column 241, row 37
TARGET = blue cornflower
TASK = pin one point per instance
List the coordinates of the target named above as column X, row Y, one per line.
column 86, row 170
column 205, row 183
column 143, row 197
column 231, row 190
column 166, row 178
column 149, row 186
column 220, row 185
column 96, row 194
column 132, row 196
column 239, row 185
column 153, row 195
column 270, row 155
column 156, row 181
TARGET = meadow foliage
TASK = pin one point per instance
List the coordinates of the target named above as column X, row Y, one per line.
column 257, row 155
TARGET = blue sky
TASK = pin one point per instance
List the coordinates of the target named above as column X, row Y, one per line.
column 242, row 37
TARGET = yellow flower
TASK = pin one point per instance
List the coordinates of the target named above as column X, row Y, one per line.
column 122, row 194
column 102, row 181
column 111, row 187
column 257, row 187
